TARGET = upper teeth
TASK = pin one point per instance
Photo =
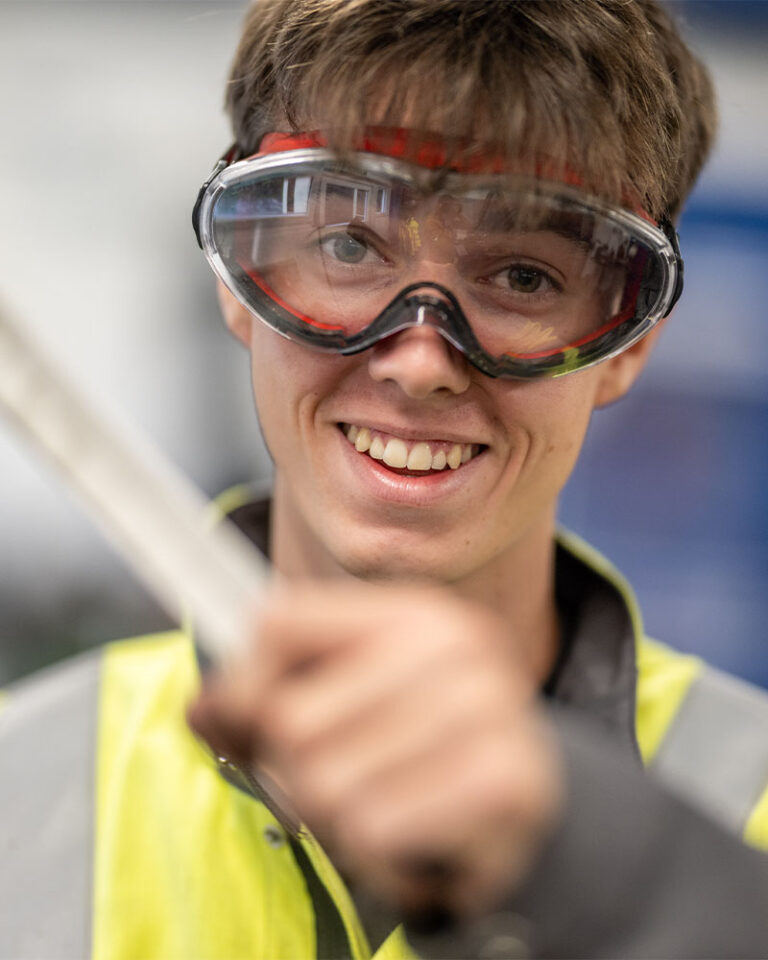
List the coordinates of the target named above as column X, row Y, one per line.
column 413, row 455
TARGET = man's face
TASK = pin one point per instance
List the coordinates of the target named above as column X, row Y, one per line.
column 414, row 394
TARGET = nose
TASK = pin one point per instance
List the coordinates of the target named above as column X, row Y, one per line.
column 421, row 362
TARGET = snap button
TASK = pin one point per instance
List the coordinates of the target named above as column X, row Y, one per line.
column 502, row 936
column 503, row 946
column 274, row 836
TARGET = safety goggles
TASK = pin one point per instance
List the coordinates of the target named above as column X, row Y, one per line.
column 525, row 276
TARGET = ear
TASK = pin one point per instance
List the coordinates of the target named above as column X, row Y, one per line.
column 236, row 317
column 619, row 373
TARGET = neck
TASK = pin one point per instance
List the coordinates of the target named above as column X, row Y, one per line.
column 518, row 584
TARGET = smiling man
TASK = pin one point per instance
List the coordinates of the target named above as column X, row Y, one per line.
column 445, row 236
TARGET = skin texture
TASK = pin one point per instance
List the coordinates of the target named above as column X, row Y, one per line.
column 394, row 700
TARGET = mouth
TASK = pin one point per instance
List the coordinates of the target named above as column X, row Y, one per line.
column 413, row 458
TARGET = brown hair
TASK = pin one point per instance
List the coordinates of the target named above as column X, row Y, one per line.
column 605, row 87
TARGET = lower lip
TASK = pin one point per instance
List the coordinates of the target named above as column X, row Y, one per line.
column 411, row 489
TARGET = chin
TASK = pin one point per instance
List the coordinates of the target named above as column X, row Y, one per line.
column 388, row 563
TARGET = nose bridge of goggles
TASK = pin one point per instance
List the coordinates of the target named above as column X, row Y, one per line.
column 425, row 304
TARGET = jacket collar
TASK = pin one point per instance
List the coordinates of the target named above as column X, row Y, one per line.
column 597, row 671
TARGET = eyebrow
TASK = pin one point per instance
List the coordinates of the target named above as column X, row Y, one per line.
column 506, row 217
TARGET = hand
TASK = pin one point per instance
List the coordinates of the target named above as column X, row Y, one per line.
column 404, row 730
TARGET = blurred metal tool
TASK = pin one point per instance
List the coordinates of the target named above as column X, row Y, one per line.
column 153, row 515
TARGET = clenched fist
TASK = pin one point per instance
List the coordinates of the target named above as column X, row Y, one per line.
column 403, row 727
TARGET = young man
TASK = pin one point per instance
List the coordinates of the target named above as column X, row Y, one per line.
column 458, row 216
column 445, row 236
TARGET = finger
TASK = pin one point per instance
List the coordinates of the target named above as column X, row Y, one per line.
column 402, row 728
column 283, row 692
column 282, row 687
column 376, row 673
column 308, row 621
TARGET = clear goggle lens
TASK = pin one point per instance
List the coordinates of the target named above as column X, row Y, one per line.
column 526, row 277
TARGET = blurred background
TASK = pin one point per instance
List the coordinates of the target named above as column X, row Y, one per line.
column 111, row 118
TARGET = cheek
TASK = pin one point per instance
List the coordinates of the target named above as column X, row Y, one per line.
column 289, row 382
column 276, row 379
column 265, row 368
column 555, row 417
